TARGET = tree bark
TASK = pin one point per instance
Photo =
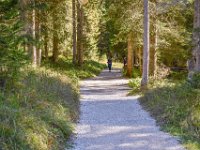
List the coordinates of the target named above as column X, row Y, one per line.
column 153, row 53
column 196, row 35
column 79, row 33
column 46, row 36
column 130, row 55
column 153, row 39
column 38, row 38
column 46, row 50
column 140, row 58
column 55, row 38
column 194, row 62
column 145, row 72
column 34, row 49
column 74, row 30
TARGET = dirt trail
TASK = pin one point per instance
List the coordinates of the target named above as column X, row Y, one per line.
column 112, row 121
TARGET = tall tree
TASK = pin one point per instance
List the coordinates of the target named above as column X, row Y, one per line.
column 145, row 72
column 194, row 63
column 34, row 49
column 130, row 55
column 74, row 30
column 55, row 35
column 80, row 32
column 153, row 39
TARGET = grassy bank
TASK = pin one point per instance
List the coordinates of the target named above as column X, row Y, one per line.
column 39, row 113
column 88, row 69
column 175, row 104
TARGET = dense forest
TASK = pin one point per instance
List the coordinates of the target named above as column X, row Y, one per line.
column 47, row 46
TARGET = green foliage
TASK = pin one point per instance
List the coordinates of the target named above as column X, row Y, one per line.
column 175, row 105
column 135, row 85
column 177, row 75
column 136, row 73
column 195, row 83
column 12, row 56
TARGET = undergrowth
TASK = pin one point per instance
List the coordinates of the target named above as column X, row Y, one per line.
column 39, row 114
column 176, row 106
column 88, row 69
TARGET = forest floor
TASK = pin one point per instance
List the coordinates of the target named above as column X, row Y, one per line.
column 112, row 120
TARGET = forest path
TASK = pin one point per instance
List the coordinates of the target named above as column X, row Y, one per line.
column 110, row 120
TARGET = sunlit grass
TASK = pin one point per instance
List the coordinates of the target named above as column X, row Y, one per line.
column 175, row 105
column 40, row 114
column 88, row 69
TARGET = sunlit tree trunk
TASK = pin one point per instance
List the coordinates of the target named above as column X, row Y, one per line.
column 34, row 49
column 154, row 36
column 79, row 33
column 153, row 39
column 145, row 71
column 130, row 55
column 140, row 58
column 74, row 30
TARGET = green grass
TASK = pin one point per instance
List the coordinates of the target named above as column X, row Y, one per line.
column 40, row 113
column 176, row 106
column 87, row 70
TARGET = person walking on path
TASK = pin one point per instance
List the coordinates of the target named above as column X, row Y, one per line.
column 109, row 64
column 125, row 62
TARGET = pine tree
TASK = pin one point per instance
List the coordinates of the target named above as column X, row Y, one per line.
column 145, row 74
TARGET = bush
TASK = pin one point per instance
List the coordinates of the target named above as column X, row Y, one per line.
column 135, row 85
column 177, row 75
column 195, row 82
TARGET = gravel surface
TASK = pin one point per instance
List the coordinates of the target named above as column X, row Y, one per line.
column 110, row 120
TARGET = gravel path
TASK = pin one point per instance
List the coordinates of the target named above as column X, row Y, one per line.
column 112, row 121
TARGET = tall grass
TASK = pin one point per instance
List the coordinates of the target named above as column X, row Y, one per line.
column 40, row 113
column 88, row 69
column 176, row 107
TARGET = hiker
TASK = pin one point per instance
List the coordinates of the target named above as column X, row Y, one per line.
column 109, row 64
column 125, row 62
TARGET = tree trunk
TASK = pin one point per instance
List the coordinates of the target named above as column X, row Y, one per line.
column 46, row 36
column 79, row 33
column 140, row 58
column 145, row 72
column 38, row 38
column 153, row 38
column 74, row 29
column 34, row 49
column 153, row 53
column 55, row 38
column 194, row 62
column 130, row 55
column 46, row 50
